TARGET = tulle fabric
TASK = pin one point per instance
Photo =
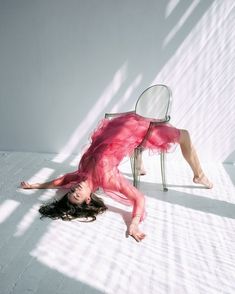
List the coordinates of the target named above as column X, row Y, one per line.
column 110, row 143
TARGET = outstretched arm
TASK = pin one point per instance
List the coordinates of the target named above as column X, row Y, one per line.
column 46, row 185
column 138, row 208
column 54, row 184
column 118, row 183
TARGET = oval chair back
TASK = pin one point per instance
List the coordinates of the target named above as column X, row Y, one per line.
column 155, row 102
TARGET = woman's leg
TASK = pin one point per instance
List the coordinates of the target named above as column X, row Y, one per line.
column 191, row 157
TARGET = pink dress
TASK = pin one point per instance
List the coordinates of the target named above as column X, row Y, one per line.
column 110, row 143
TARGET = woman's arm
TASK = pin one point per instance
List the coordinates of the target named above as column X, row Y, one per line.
column 46, row 185
column 117, row 182
column 138, row 208
column 135, row 196
column 53, row 184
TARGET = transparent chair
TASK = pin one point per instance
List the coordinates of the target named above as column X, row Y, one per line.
column 154, row 103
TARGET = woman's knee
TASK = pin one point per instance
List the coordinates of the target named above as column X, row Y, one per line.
column 184, row 136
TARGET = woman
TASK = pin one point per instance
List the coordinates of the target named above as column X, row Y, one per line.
column 98, row 167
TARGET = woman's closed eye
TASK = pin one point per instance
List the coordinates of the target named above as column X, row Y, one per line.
column 76, row 196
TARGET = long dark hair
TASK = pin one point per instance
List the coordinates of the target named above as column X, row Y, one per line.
column 65, row 210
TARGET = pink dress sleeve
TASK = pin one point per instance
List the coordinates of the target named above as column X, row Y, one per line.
column 120, row 189
column 70, row 179
column 134, row 195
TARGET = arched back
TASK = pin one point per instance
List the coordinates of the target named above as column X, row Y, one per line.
column 155, row 102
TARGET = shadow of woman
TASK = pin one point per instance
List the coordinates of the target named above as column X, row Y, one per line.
column 126, row 216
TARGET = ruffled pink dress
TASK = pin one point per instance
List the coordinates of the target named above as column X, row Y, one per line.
column 110, row 143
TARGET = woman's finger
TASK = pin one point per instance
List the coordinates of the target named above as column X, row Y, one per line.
column 141, row 236
column 136, row 237
column 25, row 185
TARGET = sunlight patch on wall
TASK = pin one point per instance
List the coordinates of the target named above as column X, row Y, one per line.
column 180, row 23
column 172, row 4
column 127, row 94
column 91, row 117
column 7, row 208
column 201, row 74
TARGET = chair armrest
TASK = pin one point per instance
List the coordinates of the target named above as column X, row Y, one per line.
column 114, row 114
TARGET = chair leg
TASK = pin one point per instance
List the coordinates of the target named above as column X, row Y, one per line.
column 163, row 171
column 136, row 166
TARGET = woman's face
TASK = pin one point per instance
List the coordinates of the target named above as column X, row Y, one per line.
column 79, row 194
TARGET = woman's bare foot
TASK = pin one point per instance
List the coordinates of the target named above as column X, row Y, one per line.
column 203, row 180
column 26, row 185
column 142, row 172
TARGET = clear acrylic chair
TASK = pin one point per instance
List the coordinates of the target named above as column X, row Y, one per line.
column 154, row 103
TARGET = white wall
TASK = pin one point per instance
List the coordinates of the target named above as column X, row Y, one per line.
column 64, row 63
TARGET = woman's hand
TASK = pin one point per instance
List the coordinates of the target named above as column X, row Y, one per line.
column 26, row 185
column 135, row 232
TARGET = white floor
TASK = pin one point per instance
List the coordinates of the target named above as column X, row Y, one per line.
column 189, row 246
